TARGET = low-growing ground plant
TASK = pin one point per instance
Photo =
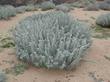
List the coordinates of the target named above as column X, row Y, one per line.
column 7, row 11
column 104, row 5
column 47, row 5
column 6, row 41
column 2, row 77
column 104, row 20
column 52, row 40
column 17, row 69
column 101, row 33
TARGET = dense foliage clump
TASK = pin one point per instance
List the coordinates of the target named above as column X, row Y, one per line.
column 104, row 20
column 83, row 3
column 30, row 7
column 51, row 40
column 21, row 9
column 63, row 7
column 2, row 77
column 105, row 5
column 7, row 11
column 47, row 5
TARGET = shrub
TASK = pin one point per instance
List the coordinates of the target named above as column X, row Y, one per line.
column 51, row 40
column 47, row 5
column 92, row 7
column 77, row 4
column 87, row 2
column 107, row 1
column 104, row 20
column 37, row 6
column 63, row 8
column 104, row 6
column 2, row 77
column 7, row 11
column 83, row 3
column 21, row 9
column 30, row 7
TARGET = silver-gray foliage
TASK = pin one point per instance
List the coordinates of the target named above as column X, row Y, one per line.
column 2, row 77
column 104, row 20
column 104, row 5
column 92, row 7
column 21, row 9
column 7, row 11
column 47, row 5
column 63, row 8
column 51, row 40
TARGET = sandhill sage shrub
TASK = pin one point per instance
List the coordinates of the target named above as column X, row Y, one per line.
column 51, row 40
column 21, row 9
column 92, row 7
column 7, row 11
column 104, row 5
column 103, row 20
column 63, row 7
column 2, row 77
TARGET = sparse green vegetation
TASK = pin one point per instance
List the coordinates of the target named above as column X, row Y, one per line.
column 6, row 41
column 17, row 69
column 63, row 7
column 102, row 33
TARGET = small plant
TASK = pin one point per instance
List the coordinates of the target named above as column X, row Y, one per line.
column 2, row 77
column 103, row 20
column 7, row 11
column 30, row 7
column 6, row 42
column 52, row 40
column 101, row 33
column 63, row 8
column 104, row 6
column 17, row 69
column 21, row 9
column 47, row 5
column 92, row 7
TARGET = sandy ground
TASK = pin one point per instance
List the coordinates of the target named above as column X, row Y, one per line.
column 94, row 67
